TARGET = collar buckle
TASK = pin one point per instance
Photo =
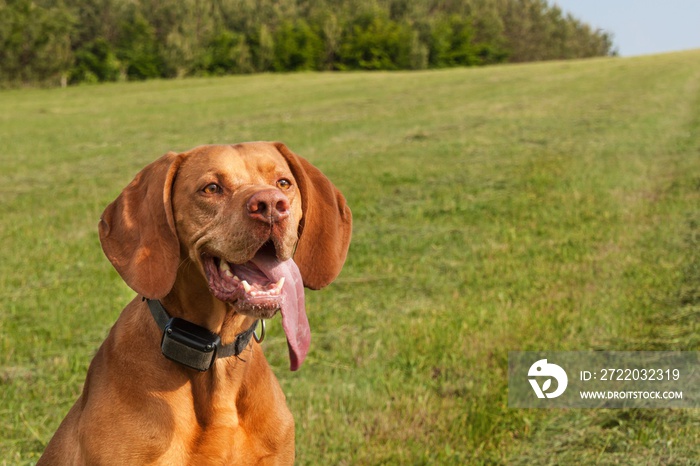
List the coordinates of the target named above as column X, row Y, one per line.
column 260, row 338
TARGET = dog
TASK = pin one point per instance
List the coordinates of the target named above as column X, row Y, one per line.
column 213, row 241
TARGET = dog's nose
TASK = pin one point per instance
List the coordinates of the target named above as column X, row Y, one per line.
column 268, row 205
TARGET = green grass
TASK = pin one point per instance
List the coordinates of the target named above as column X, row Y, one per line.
column 550, row 206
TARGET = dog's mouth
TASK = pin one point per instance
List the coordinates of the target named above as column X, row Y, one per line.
column 245, row 285
column 259, row 288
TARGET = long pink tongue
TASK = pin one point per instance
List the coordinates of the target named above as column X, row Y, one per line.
column 294, row 321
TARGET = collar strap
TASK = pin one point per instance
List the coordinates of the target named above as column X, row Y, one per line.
column 192, row 345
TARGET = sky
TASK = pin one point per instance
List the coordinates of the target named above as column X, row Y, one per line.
column 641, row 27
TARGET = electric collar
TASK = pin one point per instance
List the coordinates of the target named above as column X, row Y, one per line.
column 194, row 346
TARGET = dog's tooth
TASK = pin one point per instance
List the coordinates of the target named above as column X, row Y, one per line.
column 246, row 286
column 235, row 277
column 279, row 285
column 225, row 268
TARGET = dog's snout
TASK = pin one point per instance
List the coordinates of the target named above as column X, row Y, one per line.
column 268, row 205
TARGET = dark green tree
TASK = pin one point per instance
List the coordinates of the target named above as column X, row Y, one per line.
column 96, row 62
column 138, row 48
column 297, row 47
column 375, row 42
column 35, row 42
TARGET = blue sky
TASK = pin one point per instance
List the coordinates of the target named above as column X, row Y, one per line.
column 641, row 27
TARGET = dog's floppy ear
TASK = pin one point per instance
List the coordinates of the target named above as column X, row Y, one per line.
column 326, row 224
column 137, row 230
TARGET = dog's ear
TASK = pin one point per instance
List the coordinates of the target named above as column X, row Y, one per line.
column 326, row 224
column 137, row 230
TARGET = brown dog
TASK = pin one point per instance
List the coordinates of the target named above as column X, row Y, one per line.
column 207, row 237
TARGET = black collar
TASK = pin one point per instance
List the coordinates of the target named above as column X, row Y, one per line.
column 192, row 345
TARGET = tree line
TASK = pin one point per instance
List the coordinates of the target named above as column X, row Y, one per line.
column 47, row 42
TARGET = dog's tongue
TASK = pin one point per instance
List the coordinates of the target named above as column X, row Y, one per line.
column 294, row 321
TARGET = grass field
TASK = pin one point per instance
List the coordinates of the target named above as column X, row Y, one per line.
column 548, row 206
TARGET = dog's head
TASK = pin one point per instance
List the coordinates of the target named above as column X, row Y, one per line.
column 258, row 221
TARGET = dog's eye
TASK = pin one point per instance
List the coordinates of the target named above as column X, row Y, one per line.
column 212, row 188
column 284, row 183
